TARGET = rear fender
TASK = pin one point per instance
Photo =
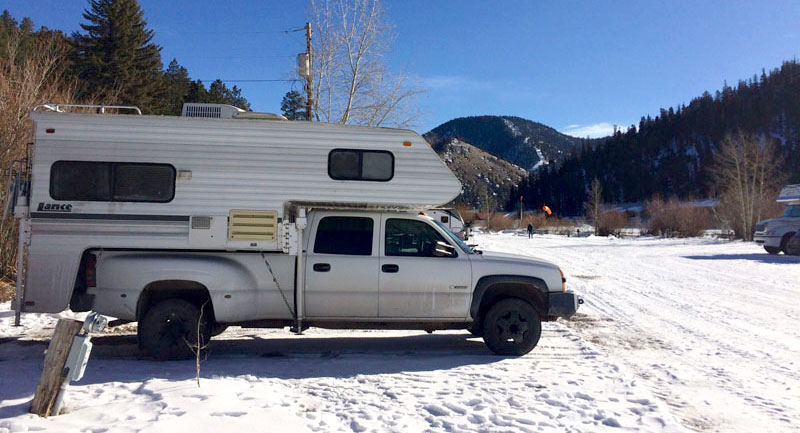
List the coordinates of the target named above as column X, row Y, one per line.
column 123, row 276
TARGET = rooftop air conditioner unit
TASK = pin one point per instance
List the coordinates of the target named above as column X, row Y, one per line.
column 214, row 111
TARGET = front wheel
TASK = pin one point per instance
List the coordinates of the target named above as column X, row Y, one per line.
column 512, row 327
column 785, row 242
column 772, row 250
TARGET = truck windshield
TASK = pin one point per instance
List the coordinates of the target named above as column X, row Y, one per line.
column 455, row 238
column 792, row 211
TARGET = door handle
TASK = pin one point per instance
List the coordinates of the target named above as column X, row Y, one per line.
column 390, row 268
column 322, row 267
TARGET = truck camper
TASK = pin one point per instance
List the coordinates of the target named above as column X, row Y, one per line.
column 246, row 219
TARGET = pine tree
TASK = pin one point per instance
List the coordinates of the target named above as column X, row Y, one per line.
column 116, row 55
column 176, row 88
column 293, row 105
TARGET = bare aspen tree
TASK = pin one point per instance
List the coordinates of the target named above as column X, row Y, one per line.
column 748, row 173
column 351, row 83
column 593, row 205
column 27, row 78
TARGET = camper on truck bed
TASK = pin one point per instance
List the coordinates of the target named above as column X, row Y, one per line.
column 259, row 223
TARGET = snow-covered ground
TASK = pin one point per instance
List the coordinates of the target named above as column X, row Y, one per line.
column 675, row 336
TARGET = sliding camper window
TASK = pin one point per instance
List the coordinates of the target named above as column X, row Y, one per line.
column 354, row 164
column 112, row 181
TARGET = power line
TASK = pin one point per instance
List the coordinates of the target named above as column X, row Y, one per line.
column 254, row 81
column 246, row 57
column 244, row 32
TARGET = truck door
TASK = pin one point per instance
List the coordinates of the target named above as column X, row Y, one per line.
column 342, row 267
column 413, row 281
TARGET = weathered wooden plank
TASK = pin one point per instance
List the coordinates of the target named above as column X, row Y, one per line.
column 54, row 362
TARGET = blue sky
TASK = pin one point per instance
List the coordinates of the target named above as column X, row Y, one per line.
column 578, row 66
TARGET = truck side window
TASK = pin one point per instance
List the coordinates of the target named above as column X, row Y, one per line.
column 344, row 235
column 406, row 237
column 356, row 164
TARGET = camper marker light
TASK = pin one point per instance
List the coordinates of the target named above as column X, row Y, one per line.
column 407, row 143
column 50, row 130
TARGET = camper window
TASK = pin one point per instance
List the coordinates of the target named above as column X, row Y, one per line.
column 112, row 181
column 344, row 235
column 353, row 164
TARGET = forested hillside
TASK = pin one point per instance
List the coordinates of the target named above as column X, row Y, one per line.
column 486, row 180
column 672, row 154
column 113, row 61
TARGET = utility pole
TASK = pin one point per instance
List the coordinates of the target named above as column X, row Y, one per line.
column 310, row 76
column 520, row 211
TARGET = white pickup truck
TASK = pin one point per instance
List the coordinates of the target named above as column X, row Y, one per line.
column 387, row 270
column 775, row 235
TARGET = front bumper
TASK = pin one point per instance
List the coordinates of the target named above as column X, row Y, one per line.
column 769, row 241
column 564, row 304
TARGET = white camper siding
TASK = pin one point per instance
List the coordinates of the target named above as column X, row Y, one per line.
column 238, row 164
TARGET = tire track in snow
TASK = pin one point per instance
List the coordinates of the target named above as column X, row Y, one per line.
column 686, row 327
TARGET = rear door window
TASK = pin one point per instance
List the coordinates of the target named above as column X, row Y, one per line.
column 344, row 235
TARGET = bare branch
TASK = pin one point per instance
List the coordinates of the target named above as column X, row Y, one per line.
column 351, row 83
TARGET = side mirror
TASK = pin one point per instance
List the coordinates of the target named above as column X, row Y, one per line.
column 442, row 249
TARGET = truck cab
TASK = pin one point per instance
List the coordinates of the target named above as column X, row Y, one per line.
column 775, row 234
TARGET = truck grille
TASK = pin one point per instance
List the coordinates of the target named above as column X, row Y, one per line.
column 760, row 227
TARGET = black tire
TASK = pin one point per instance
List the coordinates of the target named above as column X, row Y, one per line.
column 512, row 327
column 169, row 330
column 793, row 245
column 785, row 240
column 772, row 250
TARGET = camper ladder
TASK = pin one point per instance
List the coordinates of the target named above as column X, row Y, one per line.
column 19, row 184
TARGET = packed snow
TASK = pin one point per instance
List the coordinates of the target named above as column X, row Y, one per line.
column 675, row 335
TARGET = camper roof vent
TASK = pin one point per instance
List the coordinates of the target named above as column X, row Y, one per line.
column 214, row 111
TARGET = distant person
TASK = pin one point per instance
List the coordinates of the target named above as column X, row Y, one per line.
column 530, row 230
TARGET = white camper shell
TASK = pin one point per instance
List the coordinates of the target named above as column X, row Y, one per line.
column 190, row 183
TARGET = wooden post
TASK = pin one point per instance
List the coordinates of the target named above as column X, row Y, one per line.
column 310, row 77
column 54, row 361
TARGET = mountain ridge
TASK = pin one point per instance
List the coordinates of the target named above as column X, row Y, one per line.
column 523, row 142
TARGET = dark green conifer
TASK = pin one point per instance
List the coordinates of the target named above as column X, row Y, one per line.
column 116, row 54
